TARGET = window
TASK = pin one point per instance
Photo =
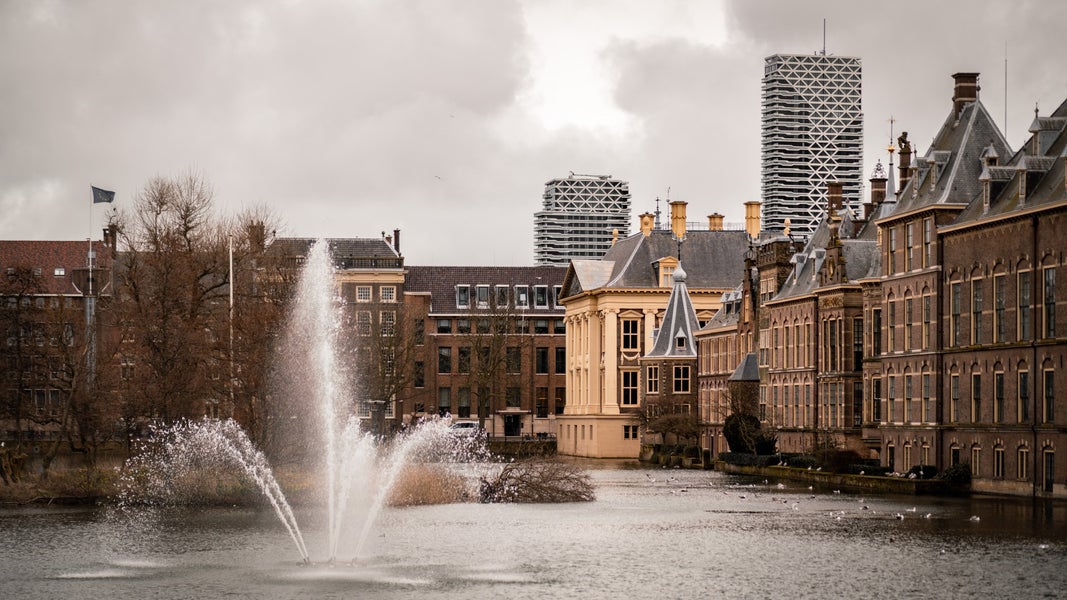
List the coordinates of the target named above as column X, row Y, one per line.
column 1024, row 396
column 927, row 407
column 522, row 296
column 482, row 292
column 561, row 400
column 629, row 388
column 541, row 402
column 541, row 360
column 955, row 298
column 559, row 326
column 998, row 397
column 482, row 325
column 909, row 245
column 892, row 251
column 876, row 400
column 1022, row 464
column 501, row 297
column 513, row 397
column 513, row 359
column 561, row 360
column 444, row 401
column 444, row 360
column 652, row 379
column 126, row 369
column 976, row 398
column 463, row 325
column 444, row 325
column 1048, row 405
column 464, row 360
column 363, row 293
column 857, row 344
column 629, row 334
column 891, row 399
column 909, row 322
column 363, row 322
column 666, row 275
column 540, row 296
column 419, row 374
column 629, row 432
column 928, row 238
column 976, row 461
column 892, row 326
column 907, row 398
column 954, row 399
column 998, row 309
column 387, row 293
column 1024, row 306
column 681, row 379
column 876, row 331
column 463, row 296
column 927, row 343
column 1049, row 324
column 557, row 291
column 419, row 331
column 60, row 272
column 463, row 402
column 976, row 311
column 388, row 322
column 541, row 326
column 998, row 463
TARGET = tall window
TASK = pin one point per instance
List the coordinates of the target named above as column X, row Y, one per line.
column 832, row 338
column 907, row 398
column 483, row 296
column 976, row 398
column 387, row 293
column 857, row 344
column 892, row 250
column 541, row 360
column 909, row 245
column 652, row 379
column 954, row 399
column 1024, row 306
column 463, row 402
column 630, row 334
column 909, row 316
column 955, row 299
column 927, row 314
column 444, row 360
column 464, row 360
column 444, row 401
column 892, row 326
column 561, row 360
column 1024, row 396
column 1022, row 463
column 998, row 463
column 540, row 296
column 976, row 311
column 522, row 296
column 681, row 379
column 928, row 238
column 999, row 327
column 541, row 400
column 500, row 294
column 876, row 400
column 927, row 406
column 890, row 409
column 1048, row 404
column 513, row 359
column 876, row 331
column 1049, row 325
column 629, row 388
column 998, row 397
column 976, row 461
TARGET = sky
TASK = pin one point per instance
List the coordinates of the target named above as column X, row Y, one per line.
column 445, row 118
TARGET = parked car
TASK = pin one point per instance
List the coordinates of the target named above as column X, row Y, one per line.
column 465, row 428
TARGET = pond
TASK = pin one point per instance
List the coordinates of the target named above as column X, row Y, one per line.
column 649, row 534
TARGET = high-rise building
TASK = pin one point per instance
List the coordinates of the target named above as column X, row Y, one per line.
column 812, row 135
column 582, row 214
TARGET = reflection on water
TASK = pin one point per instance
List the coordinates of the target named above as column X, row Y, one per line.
column 649, row 534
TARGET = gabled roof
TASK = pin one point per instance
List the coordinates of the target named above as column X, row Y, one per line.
column 860, row 256
column 748, row 370
column 441, row 282
column 675, row 336
column 339, row 247
column 948, row 173
column 714, row 259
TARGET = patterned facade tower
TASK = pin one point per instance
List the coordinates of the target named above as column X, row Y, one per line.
column 582, row 214
column 812, row 135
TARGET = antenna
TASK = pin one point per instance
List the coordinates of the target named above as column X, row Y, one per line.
column 1005, row 90
column 824, row 37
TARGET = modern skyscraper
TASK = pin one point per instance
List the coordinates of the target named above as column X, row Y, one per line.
column 812, row 135
column 581, row 215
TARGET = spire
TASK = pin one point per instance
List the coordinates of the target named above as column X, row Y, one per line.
column 675, row 335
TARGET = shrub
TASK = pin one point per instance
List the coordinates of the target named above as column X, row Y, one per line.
column 959, row 473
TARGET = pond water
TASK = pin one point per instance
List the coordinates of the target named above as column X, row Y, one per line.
column 649, row 534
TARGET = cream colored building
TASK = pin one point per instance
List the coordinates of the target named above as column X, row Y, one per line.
column 613, row 307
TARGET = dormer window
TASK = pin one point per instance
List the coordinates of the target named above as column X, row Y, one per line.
column 679, row 342
column 60, row 272
column 463, row 296
column 483, row 296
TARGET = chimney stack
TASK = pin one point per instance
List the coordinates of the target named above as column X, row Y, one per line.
column 678, row 218
column 715, row 222
column 878, row 191
column 752, row 218
column 904, row 168
column 396, row 241
column 833, row 197
column 647, row 223
column 965, row 91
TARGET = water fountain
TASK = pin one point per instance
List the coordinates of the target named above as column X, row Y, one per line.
column 359, row 469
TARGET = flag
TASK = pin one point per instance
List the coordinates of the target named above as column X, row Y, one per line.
column 100, row 195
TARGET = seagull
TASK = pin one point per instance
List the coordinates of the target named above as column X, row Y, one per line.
column 795, row 506
column 975, row 518
column 742, row 496
column 863, row 472
column 900, row 517
column 781, row 486
column 865, row 507
column 912, row 509
column 837, row 492
column 651, row 479
column 928, row 515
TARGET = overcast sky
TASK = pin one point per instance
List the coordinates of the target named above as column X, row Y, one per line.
column 445, row 118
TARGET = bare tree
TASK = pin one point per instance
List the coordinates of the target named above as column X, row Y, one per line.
column 495, row 346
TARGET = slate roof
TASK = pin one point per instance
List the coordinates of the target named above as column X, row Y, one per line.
column 674, row 339
column 748, row 370
column 70, row 256
column 729, row 312
column 713, row 259
column 861, row 255
column 339, row 247
column 948, row 173
column 1045, row 175
column 441, row 282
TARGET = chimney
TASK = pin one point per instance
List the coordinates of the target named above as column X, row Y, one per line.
column 678, row 218
column 647, row 223
column 878, row 190
column 904, row 169
column 614, row 236
column 965, row 91
column 715, row 222
column 752, row 219
column 396, row 241
column 833, row 196
column 257, row 237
